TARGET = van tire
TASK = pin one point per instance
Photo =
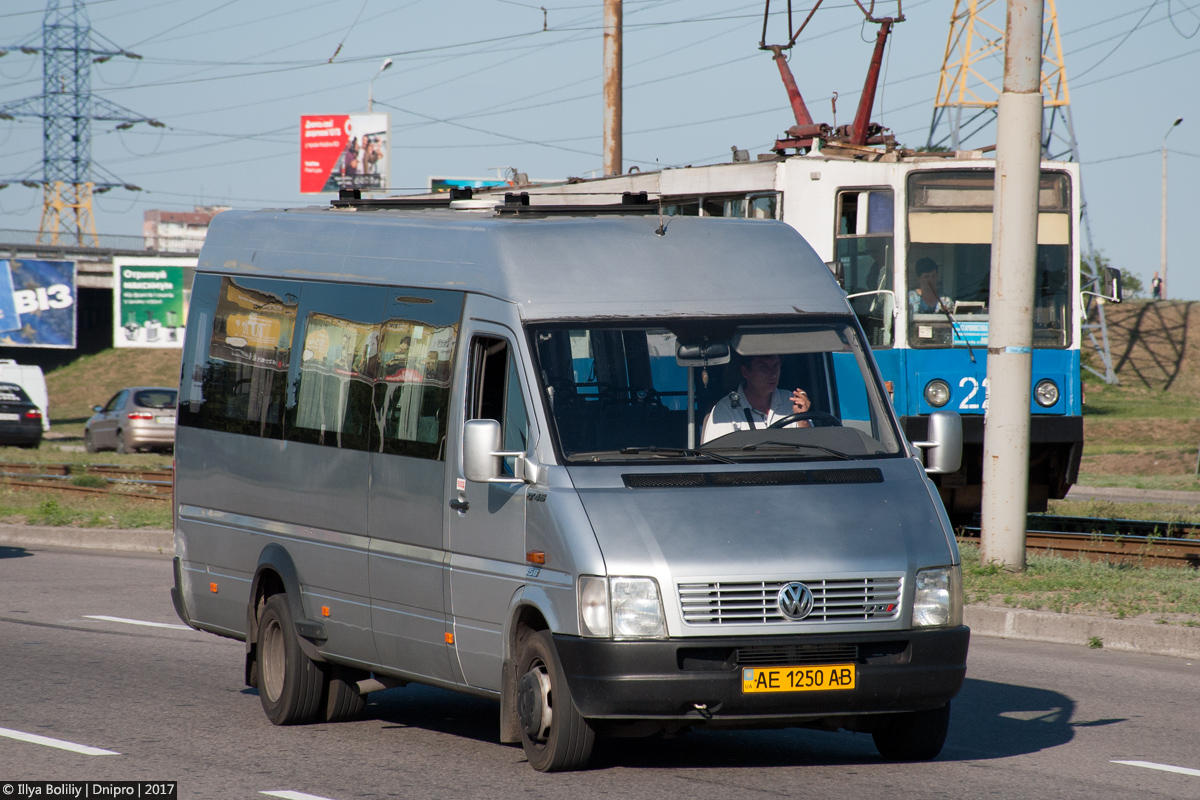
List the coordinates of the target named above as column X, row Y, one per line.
column 914, row 736
column 343, row 701
column 567, row 745
column 290, row 685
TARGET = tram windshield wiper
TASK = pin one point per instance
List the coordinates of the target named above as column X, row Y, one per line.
column 954, row 327
column 834, row 453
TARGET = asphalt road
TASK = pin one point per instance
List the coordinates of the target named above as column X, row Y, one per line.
column 1034, row 720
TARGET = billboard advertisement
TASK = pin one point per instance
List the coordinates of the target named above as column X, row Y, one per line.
column 150, row 299
column 344, row 151
column 37, row 303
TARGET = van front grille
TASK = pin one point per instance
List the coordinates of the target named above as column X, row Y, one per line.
column 841, row 600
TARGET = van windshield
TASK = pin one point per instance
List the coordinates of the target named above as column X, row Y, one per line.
column 621, row 393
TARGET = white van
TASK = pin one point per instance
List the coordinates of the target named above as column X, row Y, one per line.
column 31, row 379
column 469, row 449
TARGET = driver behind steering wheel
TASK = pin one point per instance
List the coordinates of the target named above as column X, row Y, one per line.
column 758, row 401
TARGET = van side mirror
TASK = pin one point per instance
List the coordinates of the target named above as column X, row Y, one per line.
column 839, row 272
column 1112, row 283
column 943, row 450
column 483, row 458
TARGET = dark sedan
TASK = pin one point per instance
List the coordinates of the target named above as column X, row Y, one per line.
column 20, row 418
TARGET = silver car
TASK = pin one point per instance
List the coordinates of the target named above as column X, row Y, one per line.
column 134, row 419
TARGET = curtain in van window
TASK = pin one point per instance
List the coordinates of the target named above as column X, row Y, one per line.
column 412, row 391
column 242, row 372
column 330, row 383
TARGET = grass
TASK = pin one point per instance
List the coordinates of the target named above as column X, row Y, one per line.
column 1107, row 509
column 49, row 453
column 1171, row 483
column 88, row 511
column 1169, row 595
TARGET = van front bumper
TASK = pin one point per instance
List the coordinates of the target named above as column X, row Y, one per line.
column 700, row 678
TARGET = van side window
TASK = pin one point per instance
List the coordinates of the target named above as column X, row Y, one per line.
column 243, row 371
column 496, row 392
column 330, row 394
column 418, row 339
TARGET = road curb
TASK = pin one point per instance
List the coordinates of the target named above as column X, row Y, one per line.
column 137, row 540
column 1112, row 634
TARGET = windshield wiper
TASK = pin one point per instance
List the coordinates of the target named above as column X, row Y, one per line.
column 834, row 453
column 675, row 451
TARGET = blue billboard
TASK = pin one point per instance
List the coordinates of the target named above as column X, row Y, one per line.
column 37, row 303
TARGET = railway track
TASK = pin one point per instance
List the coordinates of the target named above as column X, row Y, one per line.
column 110, row 479
column 1117, row 541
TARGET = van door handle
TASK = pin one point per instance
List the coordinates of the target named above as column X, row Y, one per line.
column 459, row 505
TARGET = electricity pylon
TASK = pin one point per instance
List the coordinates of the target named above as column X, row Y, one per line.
column 967, row 87
column 67, row 109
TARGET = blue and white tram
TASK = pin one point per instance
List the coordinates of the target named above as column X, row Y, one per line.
column 882, row 220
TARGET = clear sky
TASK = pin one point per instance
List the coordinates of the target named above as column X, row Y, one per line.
column 478, row 84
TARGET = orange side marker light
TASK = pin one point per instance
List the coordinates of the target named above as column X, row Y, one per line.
column 449, row 638
column 212, row 587
column 535, row 557
column 324, row 611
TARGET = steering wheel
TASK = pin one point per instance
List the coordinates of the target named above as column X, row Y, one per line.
column 828, row 420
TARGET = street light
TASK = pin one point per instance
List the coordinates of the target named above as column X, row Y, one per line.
column 1163, row 244
column 387, row 62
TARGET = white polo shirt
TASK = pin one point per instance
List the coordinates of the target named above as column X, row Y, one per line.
column 729, row 414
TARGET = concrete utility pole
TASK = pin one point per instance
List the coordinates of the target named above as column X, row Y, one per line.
column 1010, row 304
column 612, row 88
column 1163, row 244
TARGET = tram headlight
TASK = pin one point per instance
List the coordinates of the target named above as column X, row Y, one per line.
column 937, row 393
column 1046, row 393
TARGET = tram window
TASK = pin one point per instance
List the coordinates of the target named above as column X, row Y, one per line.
column 764, row 206
column 723, row 206
column 865, row 246
column 681, row 208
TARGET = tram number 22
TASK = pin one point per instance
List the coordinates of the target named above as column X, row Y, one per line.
column 971, row 401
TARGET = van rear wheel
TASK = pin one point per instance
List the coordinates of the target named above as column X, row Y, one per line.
column 289, row 683
column 554, row 735
column 343, row 701
column 915, row 736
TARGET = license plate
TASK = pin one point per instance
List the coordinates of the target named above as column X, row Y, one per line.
column 824, row 678
column 166, row 420
column 9, row 417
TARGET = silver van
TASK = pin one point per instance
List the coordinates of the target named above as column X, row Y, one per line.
column 476, row 449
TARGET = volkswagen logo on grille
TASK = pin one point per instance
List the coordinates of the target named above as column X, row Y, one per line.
column 795, row 600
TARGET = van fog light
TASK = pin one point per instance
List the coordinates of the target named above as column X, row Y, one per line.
column 1046, row 393
column 938, row 597
column 636, row 609
column 937, row 393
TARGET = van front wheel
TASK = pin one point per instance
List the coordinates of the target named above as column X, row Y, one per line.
column 915, row 736
column 289, row 683
column 554, row 735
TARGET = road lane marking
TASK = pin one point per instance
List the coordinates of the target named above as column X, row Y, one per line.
column 1162, row 767
column 290, row 795
column 33, row 738
column 137, row 622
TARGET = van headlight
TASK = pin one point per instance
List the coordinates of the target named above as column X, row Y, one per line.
column 624, row 608
column 937, row 600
